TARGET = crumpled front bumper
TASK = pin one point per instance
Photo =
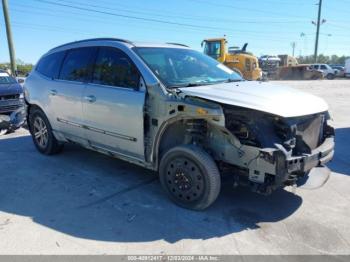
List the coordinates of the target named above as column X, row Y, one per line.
column 293, row 168
column 319, row 156
column 14, row 120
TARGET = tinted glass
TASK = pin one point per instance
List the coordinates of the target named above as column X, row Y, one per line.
column 212, row 49
column 323, row 67
column 185, row 67
column 77, row 64
column 6, row 79
column 50, row 65
column 114, row 68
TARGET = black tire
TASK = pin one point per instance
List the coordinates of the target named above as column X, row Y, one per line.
column 190, row 177
column 330, row 76
column 52, row 146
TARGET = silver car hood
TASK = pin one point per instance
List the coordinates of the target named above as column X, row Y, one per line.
column 278, row 100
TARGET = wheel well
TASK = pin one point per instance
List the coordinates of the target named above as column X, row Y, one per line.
column 181, row 132
column 31, row 107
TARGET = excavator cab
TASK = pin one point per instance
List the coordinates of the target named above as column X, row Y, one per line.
column 215, row 48
column 239, row 60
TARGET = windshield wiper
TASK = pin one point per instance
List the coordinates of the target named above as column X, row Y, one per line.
column 189, row 85
column 233, row 80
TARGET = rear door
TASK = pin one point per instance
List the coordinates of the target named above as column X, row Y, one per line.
column 113, row 105
column 66, row 92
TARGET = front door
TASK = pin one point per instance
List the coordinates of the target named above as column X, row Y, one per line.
column 113, row 105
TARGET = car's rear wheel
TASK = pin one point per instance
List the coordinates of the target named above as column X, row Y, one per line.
column 190, row 177
column 41, row 132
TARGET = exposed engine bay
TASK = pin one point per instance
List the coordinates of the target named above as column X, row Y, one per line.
column 281, row 149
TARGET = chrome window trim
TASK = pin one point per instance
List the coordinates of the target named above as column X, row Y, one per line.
column 97, row 130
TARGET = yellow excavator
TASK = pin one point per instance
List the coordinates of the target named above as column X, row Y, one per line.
column 239, row 60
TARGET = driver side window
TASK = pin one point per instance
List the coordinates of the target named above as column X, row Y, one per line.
column 114, row 68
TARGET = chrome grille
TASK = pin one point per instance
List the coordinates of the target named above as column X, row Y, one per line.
column 9, row 97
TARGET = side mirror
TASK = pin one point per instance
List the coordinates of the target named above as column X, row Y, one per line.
column 202, row 43
column 20, row 81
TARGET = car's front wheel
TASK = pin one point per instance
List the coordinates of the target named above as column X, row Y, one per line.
column 330, row 76
column 41, row 132
column 190, row 177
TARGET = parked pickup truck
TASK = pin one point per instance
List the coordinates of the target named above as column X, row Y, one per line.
column 12, row 112
column 177, row 111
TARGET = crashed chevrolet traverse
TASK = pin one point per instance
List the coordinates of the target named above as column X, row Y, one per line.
column 177, row 111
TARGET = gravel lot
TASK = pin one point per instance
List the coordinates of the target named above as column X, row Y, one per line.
column 81, row 202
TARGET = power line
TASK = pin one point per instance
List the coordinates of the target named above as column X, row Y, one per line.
column 240, row 8
column 198, row 27
column 153, row 14
column 125, row 16
column 192, row 17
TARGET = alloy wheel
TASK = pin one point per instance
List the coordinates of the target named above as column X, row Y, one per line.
column 40, row 132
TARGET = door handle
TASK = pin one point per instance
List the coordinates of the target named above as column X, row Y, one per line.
column 53, row 92
column 90, row 98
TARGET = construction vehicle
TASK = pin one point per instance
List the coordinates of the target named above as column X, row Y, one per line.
column 286, row 67
column 239, row 60
column 270, row 65
column 299, row 72
column 287, row 60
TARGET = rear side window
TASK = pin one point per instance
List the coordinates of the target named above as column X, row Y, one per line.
column 50, row 65
column 77, row 64
column 114, row 68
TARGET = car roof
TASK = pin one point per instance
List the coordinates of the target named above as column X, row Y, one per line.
column 121, row 41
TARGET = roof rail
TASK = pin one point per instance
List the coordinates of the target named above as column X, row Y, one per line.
column 94, row 39
column 177, row 44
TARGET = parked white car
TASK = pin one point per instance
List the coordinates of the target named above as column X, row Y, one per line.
column 328, row 71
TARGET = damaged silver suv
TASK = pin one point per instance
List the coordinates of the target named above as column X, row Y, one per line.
column 177, row 111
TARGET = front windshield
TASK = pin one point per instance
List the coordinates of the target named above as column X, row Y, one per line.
column 6, row 79
column 178, row 67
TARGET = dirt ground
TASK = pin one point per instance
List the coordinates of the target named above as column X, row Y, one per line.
column 82, row 202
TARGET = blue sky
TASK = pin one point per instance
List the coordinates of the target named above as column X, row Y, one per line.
column 269, row 26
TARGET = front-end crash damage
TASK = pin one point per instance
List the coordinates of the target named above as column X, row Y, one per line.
column 11, row 121
column 257, row 147
column 267, row 151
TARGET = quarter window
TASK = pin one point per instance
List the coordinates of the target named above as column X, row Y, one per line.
column 77, row 64
column 50, row 65
column 114, row 68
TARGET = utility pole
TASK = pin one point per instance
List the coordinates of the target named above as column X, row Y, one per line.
column 318, row 29
column 293, row 44
column 9, row 37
